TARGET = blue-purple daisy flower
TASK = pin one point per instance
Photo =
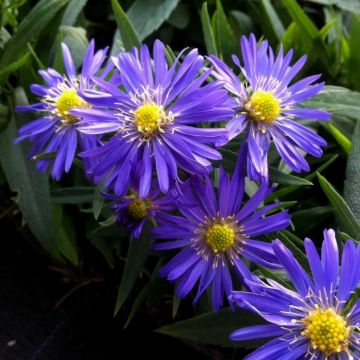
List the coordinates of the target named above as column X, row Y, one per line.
column 154, row 113
column 133, row 211
column 56, row 131
column 268, row 105
column 317, row 320
column 215, row 232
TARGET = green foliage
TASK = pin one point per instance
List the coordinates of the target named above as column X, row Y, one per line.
column 138, row 253
column 31, row 188
column 148, row 16
column 128, row 34
column 352, row 185
column 214, row 328
column 30, row 28
column 345, row 217
column 208, row 31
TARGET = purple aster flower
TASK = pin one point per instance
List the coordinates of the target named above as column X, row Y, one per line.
column 215, row 233
column 56, row 131
column 154, row 113
column 320, row 319
column 268, row 104
column 133, row 211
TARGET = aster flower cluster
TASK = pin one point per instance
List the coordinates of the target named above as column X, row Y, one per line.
column 319, row 319
column 149, row 132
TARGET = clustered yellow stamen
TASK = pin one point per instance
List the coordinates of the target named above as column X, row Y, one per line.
column 220, row 237
column 138, row 209
column 149, row 118
column 69, row 99
column 263, row 106
column 327, row 331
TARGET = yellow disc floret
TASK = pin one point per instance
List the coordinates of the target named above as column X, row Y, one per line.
column 327, row 331
column 149, row 118
column 138, row 209
column 69, row 99
column 220, row 237
column 263, row 106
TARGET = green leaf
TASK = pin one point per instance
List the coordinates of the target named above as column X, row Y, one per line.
column 273, row 274
column 342, row 237
column 241, row 23
column 180, row 17
column 337, row 100
column 304, row 219
column 65, row 235
column 354, row 59
column 348, row 5
column 36, row 58
column 208, row 31
column 128, row 34
column 271, row 20
column 280, row 177
column 214, row 328
column 73, row 195
column 153, row 287
column 72, row 12
column 4, row 117
column 11, row 68
column 224, row 35
column 138, row 253
column 108, row 240
column 289, row 189
column 30, row 28
column 170, row 56
column 300, row 17
column 98, row 201
column 345, row 217
column 306, row 37
column 352, row 182
column 147, row 16
column 32, row 188
column 75, row 38
column 340, row 138
column 175, row 305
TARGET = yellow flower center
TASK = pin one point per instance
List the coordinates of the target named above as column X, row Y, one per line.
column 138, row 209
column 220, row 237
column 327, row 331
column 68, row 100
column 263, row 106
column 149, row 118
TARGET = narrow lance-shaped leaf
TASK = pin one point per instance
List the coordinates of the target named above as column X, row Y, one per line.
column 32, row 188
column 224, row 35
column 271, row 20
column 128, row 34
column 354, row 60
column 289, row 189
column 345, row 217
column 72, row 11
column 30, row 28
column 73, row 195
column 352, row 182
column 300, row 17
column 340, row 138
column 214, row 328
column 287, row 179
column 139, row 250
column 208, row 31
